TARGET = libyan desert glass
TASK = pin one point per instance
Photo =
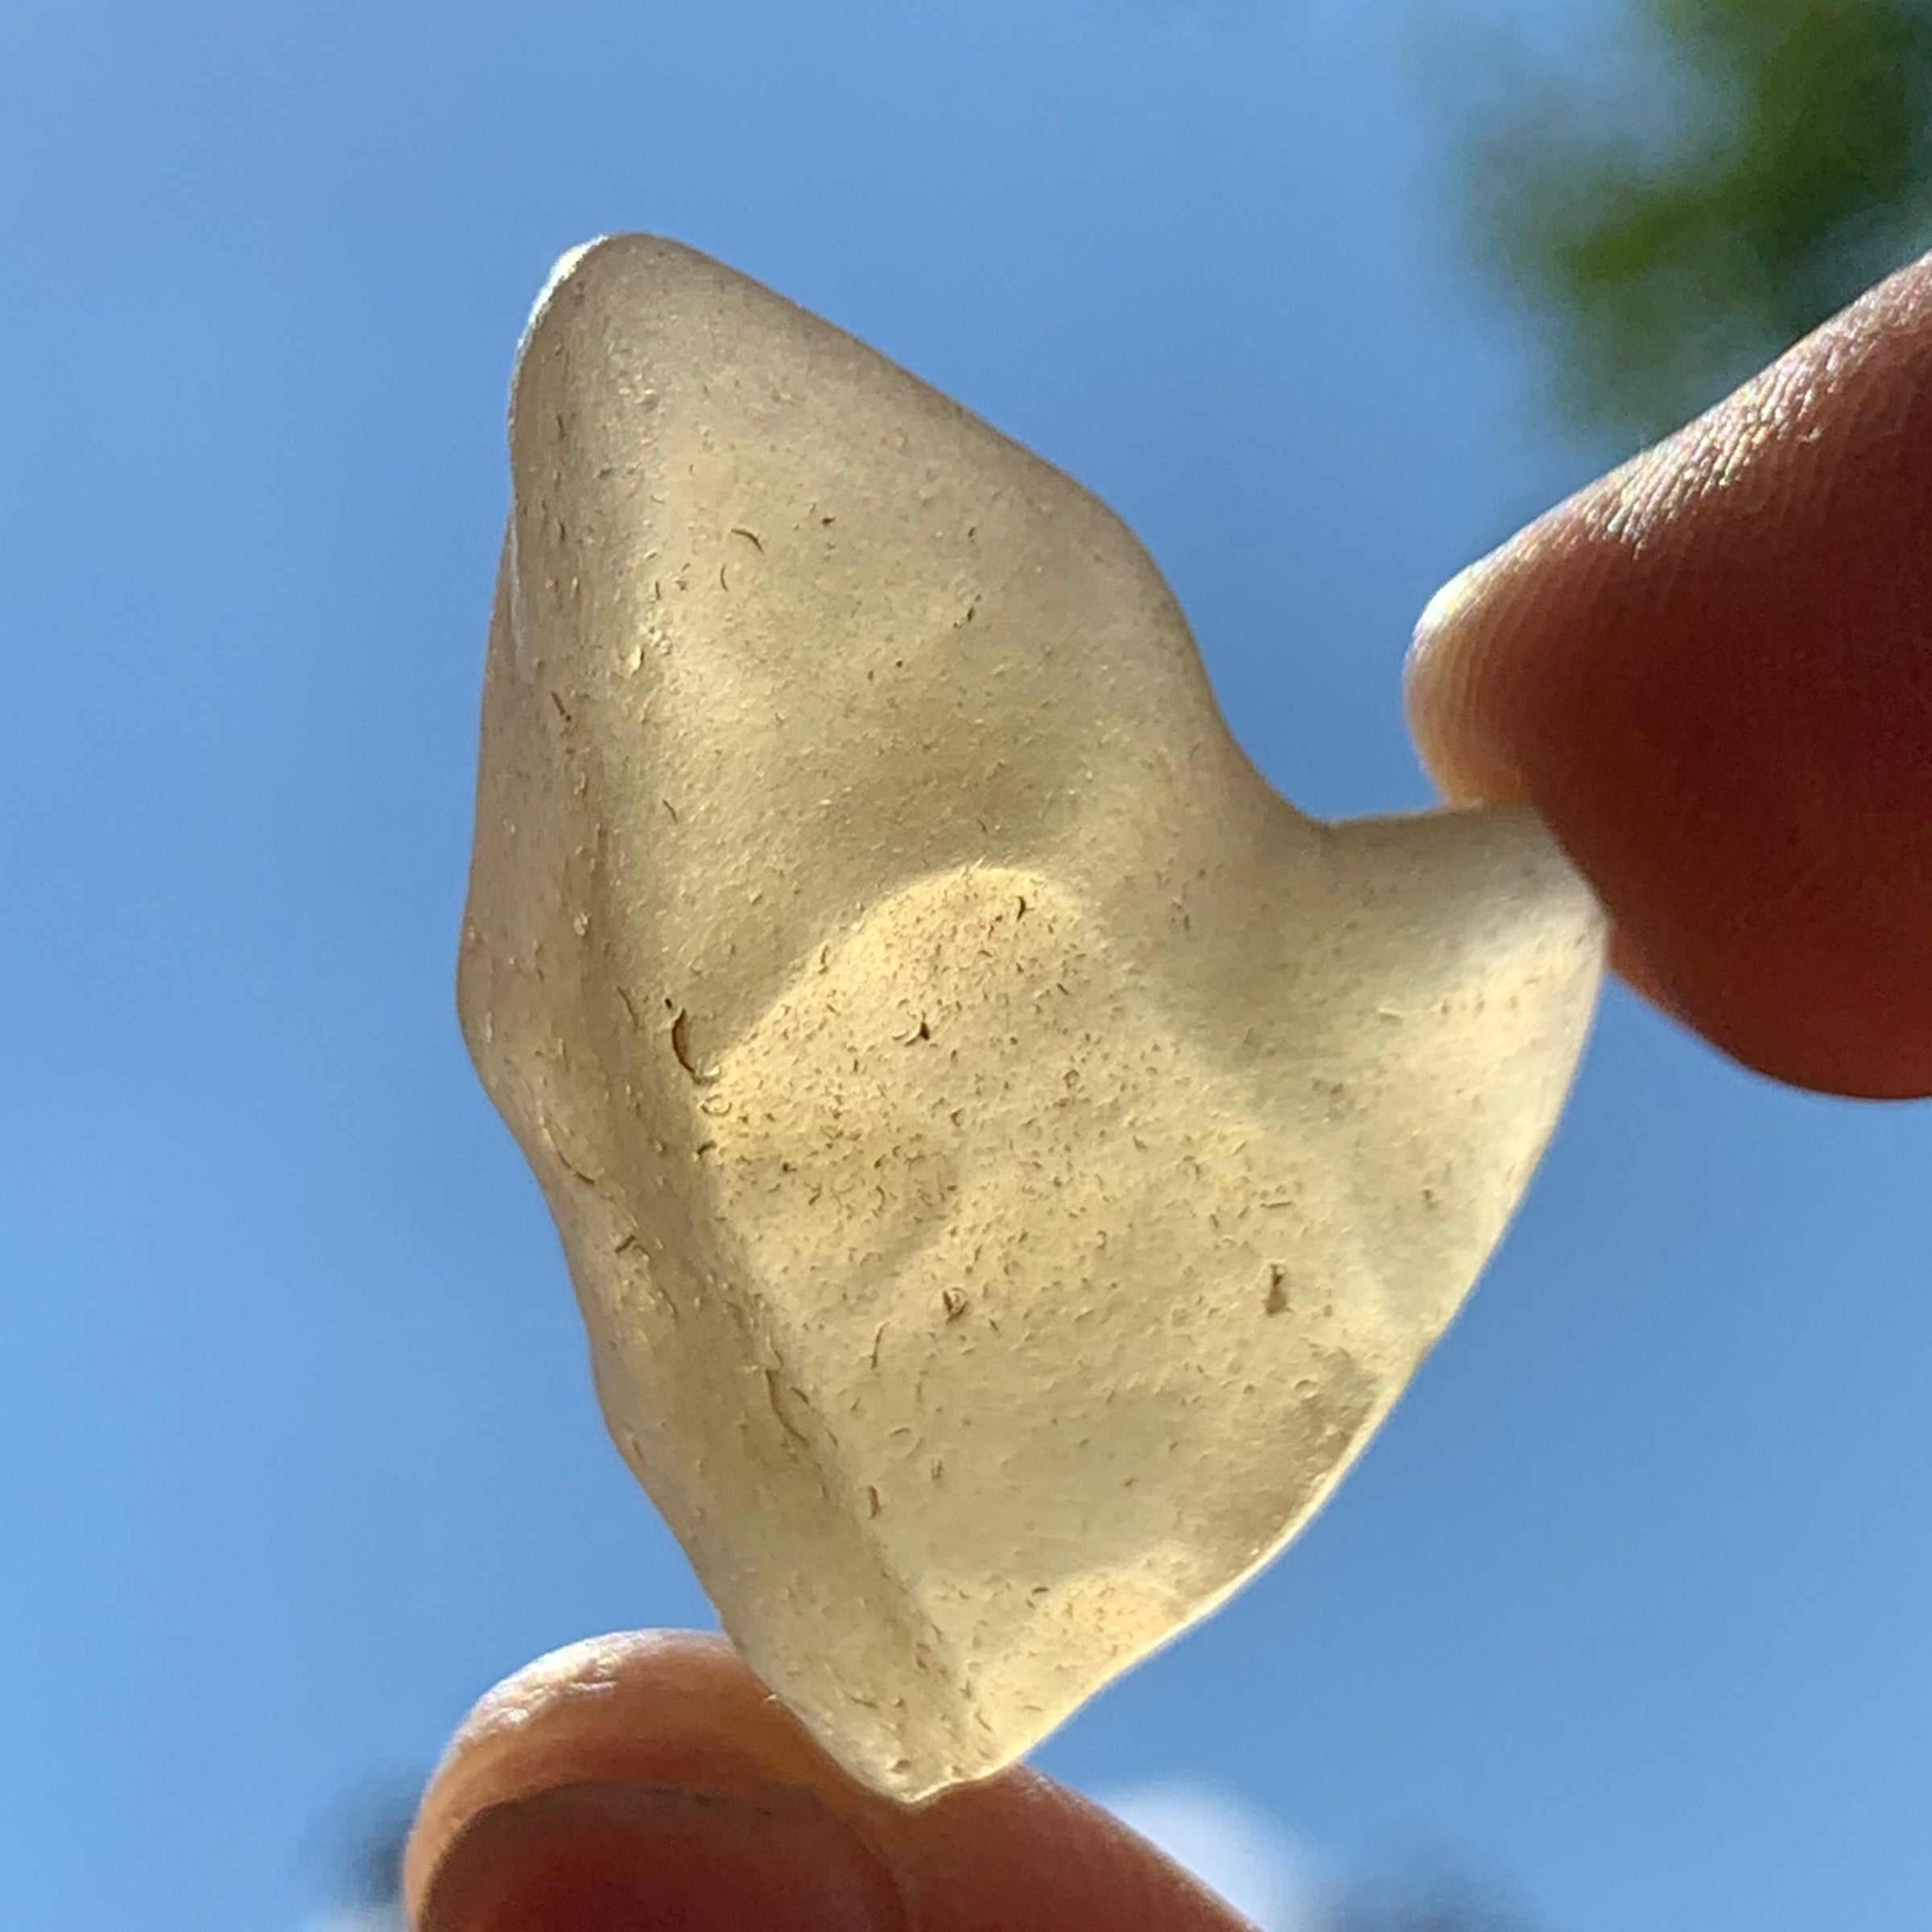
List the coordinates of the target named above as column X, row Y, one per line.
column 1010, row 1160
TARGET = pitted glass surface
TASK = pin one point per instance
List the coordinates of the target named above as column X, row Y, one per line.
column 1009, row 1160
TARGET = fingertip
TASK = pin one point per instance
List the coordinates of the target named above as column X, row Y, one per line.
column 651, row 1779
column 597, row 1857
column 1443, row 690
column 1712, row 674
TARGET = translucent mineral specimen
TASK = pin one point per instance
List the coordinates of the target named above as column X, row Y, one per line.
column 1009, row 1160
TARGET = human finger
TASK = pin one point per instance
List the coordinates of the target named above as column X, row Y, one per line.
column 650, row 1780
column 1712, row 674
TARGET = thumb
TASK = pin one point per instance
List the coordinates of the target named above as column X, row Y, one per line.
column 650, row 1780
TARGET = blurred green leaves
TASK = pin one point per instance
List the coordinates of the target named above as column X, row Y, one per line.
column 1728, row 174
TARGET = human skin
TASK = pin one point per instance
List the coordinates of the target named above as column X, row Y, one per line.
column 1711, row 673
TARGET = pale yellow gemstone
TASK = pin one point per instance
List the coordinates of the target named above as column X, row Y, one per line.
column 1010, row 1159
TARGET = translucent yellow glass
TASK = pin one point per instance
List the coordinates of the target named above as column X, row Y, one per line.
column 1010, row 1159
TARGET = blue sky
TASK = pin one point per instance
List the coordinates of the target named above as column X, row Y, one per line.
column 297, row 1449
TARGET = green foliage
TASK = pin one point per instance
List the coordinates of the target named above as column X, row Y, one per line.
column 1761, row 162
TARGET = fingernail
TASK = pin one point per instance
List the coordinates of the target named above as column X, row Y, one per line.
column 621, row 1858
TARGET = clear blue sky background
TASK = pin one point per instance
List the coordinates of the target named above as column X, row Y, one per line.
column 297, row 1449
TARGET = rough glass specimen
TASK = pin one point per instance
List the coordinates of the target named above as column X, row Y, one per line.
column 1009, row 1158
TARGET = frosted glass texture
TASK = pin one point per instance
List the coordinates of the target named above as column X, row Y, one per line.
column 1009, row 1158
